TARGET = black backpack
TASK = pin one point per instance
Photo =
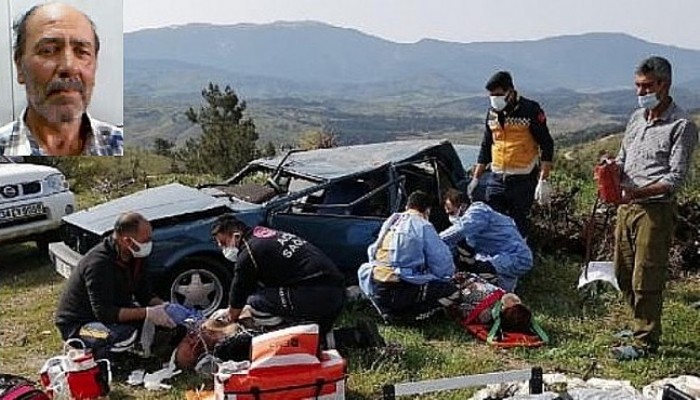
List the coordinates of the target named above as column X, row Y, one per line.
column 14, row 387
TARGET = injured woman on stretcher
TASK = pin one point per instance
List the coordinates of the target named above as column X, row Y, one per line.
column 495, row 316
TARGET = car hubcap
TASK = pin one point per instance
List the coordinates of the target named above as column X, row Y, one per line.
column 197, row 288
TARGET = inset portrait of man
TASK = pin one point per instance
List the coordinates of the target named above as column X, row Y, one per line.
column 55, row 53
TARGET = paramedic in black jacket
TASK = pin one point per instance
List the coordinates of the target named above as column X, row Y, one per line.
column 108, row 296
column 280, row 278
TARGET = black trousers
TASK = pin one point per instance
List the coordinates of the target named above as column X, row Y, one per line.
column 403, row 300
column 315, row 304
column 513, row 196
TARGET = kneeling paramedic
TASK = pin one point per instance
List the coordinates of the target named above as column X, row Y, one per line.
column 408, row 276
column 486, row 240
column 279, row 278
column 108, row 297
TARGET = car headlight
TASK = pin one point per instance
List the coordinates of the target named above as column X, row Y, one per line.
column 57, row 183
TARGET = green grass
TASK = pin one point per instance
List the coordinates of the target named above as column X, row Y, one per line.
column 581, row 331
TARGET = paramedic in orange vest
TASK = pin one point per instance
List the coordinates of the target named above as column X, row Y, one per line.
column 519, row 148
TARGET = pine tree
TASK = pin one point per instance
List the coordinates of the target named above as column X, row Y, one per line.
column 228, row 138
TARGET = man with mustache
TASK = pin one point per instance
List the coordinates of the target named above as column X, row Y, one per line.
column 55, row 54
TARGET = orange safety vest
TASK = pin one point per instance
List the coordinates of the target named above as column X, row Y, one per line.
column 514, row 149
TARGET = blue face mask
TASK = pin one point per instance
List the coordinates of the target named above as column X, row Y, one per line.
column 648, row 101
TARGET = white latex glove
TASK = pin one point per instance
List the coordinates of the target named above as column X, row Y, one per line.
column 543, row 193
column 472, row 187
column 159, row 317
column 221, row 315
column 154, row 381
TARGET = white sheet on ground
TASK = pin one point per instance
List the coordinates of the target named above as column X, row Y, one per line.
column 598, row 271
column 687, row 383
column 592, row 389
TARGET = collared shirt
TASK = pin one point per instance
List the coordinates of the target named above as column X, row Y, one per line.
column 495, row 238
column 659, row 150
column 101, row 138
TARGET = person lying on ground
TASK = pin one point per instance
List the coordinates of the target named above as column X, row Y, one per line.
column 219, row 339
column 479, row 298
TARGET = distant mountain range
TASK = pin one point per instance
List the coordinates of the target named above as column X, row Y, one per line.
column 316, row 55
column 353, row 75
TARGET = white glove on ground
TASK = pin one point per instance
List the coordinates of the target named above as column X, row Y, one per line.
column 159, row 317
column 472, row 187
column 543, row 193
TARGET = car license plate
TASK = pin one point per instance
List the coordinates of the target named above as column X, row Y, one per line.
column 23, row 211
column 62, row 267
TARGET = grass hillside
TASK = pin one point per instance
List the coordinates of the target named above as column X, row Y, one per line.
column 581, row 330
column 581, row 326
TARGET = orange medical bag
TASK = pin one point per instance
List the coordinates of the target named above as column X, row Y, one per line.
column 286, row 364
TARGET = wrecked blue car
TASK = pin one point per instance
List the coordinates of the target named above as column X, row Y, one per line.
column 335, row 198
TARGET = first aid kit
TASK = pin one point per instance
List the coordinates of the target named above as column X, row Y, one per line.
column 76, row 374
column 285, row 364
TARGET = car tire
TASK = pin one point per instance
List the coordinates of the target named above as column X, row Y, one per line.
column 201, row 283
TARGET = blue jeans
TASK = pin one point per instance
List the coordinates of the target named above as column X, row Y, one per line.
column 513, row 196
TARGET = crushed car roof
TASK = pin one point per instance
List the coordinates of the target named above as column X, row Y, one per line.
column 156, row 203
column 344, row 161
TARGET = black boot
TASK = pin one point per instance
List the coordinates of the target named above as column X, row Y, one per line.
column 364, row 335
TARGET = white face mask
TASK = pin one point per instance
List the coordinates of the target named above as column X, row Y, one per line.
column 231, row 253
column 144, row 249
column 648, row 101
column 498, row 103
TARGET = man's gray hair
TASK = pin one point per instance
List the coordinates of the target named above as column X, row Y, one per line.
column 20, row 28
column 656, row 66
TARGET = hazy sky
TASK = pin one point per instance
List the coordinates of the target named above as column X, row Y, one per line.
column 674, row 22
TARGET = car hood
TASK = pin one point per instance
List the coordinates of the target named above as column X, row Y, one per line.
column 15, row 173
column 157, row 205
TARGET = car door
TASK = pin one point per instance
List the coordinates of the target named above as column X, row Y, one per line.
column 344, row 238
column 342, row 219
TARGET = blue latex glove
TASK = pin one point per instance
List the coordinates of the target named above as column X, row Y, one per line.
column 179, row 313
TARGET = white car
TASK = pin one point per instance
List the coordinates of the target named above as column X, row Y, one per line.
column 33, row 199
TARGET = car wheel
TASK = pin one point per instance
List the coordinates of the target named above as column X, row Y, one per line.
column 201, row 283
